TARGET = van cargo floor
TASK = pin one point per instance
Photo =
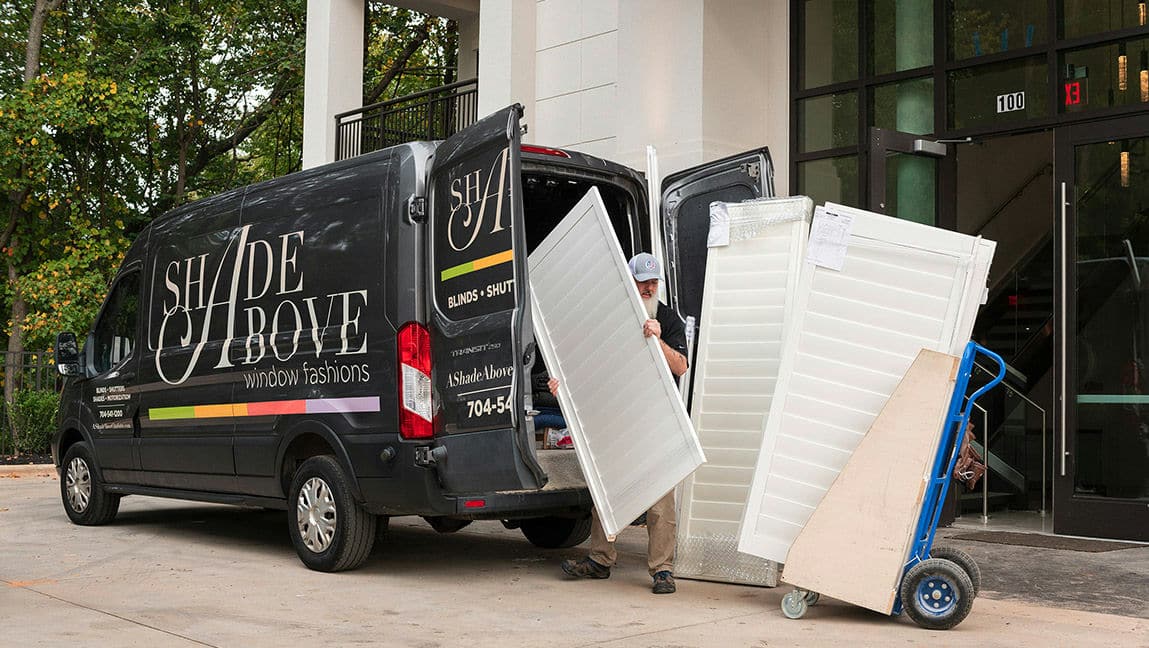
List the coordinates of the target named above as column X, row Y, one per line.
column 562, row 469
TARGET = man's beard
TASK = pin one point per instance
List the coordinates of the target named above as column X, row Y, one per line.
column 651, row 305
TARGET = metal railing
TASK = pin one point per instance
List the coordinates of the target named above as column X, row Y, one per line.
column 432, row 114
column 1023, row 406
column 36, row 370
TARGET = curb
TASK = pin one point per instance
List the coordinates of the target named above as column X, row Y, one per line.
column 28, row 470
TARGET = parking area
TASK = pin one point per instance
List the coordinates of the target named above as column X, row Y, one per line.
column 174, row 573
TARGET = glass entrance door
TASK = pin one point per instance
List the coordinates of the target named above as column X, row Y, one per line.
column 1102, row 485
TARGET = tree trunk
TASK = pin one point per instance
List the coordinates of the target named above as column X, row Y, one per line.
column 36, row 36
column 12, row 363
column 12, row 359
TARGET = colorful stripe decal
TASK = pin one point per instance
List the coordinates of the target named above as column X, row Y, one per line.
column 267, row 408
column 477, row 264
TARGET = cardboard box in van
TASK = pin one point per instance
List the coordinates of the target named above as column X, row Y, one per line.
column 354, row 342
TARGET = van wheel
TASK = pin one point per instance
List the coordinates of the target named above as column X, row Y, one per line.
column 556, row 532
column 330, row 530
column 446, row 524
column 85, row 500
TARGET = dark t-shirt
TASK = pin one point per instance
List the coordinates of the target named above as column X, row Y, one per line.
column 673, row 330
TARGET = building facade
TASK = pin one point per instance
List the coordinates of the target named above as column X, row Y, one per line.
column 1025, row 121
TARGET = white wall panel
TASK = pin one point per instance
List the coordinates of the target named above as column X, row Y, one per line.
column 747, row 299
column 903, row 287
column 631, row 432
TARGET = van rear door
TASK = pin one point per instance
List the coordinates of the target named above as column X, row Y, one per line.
column 479, row 317
column 686, row 198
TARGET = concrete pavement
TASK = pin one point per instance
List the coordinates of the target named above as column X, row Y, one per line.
column 173, row 573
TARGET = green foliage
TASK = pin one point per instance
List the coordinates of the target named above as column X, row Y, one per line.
column 33, row 415
column 142, row 106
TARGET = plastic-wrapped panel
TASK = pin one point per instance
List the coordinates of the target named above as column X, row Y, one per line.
column 631, row 432
column 902, row 287
column 747, row 300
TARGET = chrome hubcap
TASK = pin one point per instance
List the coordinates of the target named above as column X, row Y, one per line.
column 315, row 515
column 78, row 485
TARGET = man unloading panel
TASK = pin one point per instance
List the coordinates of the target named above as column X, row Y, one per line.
column 664, row 325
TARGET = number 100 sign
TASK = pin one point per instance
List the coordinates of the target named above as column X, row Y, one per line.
column 1011, row 102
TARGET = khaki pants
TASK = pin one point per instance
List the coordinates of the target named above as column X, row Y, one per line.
column 660, row 529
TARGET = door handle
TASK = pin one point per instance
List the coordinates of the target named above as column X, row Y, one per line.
column 1064, row 323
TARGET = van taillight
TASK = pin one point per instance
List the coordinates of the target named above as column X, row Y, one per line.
column 415, row 406
column 543, row 150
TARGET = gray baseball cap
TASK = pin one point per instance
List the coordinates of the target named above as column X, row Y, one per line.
column 644, row 267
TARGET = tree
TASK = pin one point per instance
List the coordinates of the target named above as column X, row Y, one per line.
column 114, row 112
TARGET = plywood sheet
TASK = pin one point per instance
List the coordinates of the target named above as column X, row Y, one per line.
column 748, row 297
column 631, row 433
column 857, row 541
column 903, row 287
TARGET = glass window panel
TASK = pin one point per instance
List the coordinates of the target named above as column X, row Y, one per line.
column 988, row 94
column 906, row 106
column 1085, row 17
column 911, row 187
column 901, row 35
column 828, row 122
column 829, row 42
column 1112, row 260
column 832, row 179
column 980, row 27
column 1116, row 74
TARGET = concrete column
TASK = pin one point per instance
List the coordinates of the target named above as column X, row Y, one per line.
column 916, row 175
column 468, row 47
column 660, row 82
column 507, row 56
column 701, row 80
column 333, row 73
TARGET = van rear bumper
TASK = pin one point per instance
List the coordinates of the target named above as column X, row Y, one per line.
column 501, row 505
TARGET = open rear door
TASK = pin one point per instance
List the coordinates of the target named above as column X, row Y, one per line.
column 479, row 323
column 686, row 198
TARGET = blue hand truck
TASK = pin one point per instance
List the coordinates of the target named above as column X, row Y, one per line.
column 938, row 584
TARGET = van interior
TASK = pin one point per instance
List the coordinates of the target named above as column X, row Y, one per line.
column 547, row 198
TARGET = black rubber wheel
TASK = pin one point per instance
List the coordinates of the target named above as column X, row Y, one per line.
column 330, row 530
column 85, row 499
column 556, row 532
column 937, row 594
column 446, row 524
column 963, row 560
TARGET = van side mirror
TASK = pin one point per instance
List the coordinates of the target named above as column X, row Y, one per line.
column 68, row 355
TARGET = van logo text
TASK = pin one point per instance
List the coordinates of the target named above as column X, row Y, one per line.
column 201, row 293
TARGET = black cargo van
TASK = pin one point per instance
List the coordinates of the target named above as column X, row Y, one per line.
column 354, row 342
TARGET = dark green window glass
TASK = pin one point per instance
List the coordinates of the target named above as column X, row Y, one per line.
column 829, row 42
column 1000, row 93
column 828, row 122
column 832, row 180
column 901, row 35
column 980, row 27
column 906, row 106
column 1101, row 77
column 1085, row 17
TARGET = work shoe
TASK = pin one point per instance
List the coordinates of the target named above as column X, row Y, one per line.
column 585, row 568
column 663, row 583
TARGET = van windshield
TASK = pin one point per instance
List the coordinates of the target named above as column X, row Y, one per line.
column 548, row 197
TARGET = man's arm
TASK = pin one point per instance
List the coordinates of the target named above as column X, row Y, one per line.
column 675, row 359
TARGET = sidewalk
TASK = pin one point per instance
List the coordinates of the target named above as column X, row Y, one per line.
column 1111, row 582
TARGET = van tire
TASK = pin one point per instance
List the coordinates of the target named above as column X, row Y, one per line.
column 86, row 501
column 326, row 495
column 556, row 532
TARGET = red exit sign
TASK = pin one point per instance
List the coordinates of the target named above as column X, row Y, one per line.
column 1074, row 93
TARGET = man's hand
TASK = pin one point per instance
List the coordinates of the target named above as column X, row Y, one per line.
column 553, row 385
column 652, row 328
